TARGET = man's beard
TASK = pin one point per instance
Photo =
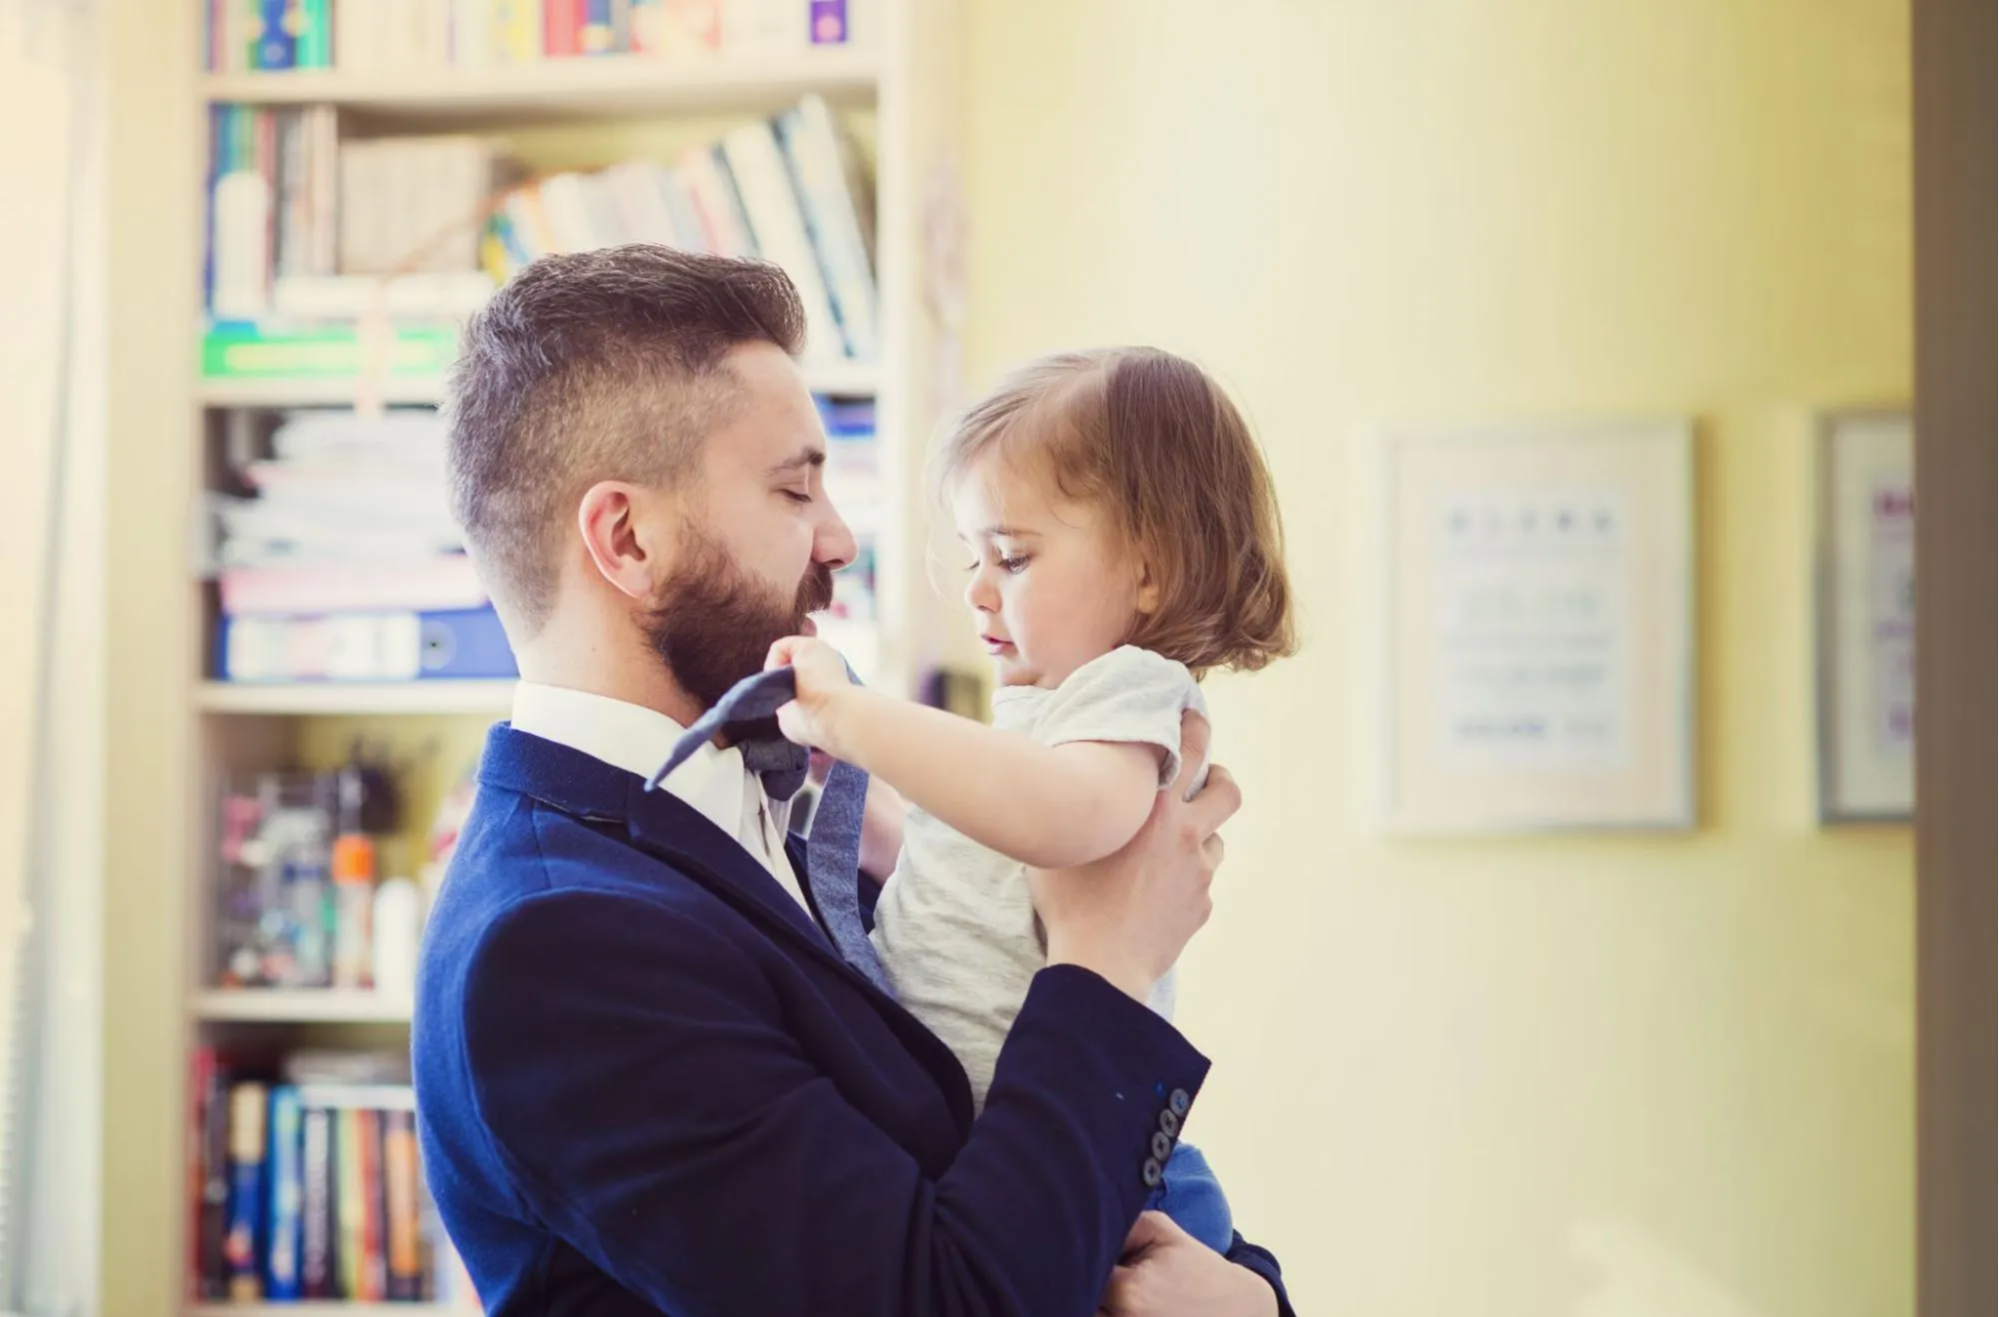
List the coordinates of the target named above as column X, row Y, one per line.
column 713, row 626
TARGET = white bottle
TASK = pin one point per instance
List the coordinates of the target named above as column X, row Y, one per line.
column 396, row 924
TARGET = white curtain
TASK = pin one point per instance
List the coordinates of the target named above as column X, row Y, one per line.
column 52, row 735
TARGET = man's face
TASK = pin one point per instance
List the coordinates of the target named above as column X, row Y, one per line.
column 758, row 541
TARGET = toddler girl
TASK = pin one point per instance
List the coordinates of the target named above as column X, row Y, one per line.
column 1124, row 541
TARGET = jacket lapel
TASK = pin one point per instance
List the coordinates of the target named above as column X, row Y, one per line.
column 665, row 827
column 670, row 830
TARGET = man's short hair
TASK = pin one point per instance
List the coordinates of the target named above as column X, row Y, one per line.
column 601, row 365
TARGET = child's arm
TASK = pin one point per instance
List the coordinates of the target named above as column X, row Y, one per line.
column 1047, row 806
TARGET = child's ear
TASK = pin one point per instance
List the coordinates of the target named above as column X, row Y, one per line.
column 1148, row 590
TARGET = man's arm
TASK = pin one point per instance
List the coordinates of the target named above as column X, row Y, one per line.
column 647, row 1089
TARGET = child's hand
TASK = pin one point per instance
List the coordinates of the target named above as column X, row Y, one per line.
column 823, row 684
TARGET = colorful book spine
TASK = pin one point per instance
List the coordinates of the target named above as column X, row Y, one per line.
column 440, row 583
column 247, row 1164
column 315, row 38
column 828, row 20
column 248, row 351
column 518, row 28
column 400, row 1180
column 282, row 1277
column 813, row 153
column 562, row 28
column 277, row 26
column 351, row 1210
column 319, row 1224
column 374, row 1254
column 461, row 645
column 599, row 31
column 776, row 219
column 212, row 1244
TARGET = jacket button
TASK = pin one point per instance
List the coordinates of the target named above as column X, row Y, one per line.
column 1169, row 1124
column 1179, row 1102
column 1153, row 1174
column 1162, row 1147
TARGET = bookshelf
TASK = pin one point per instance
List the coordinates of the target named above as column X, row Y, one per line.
column 844, row 379
column 556, row 89
column 330, row 699
column 299, row 1006
column 181, row 731
column 319, row 1310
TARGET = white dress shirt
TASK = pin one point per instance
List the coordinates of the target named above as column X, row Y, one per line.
column 637, row 739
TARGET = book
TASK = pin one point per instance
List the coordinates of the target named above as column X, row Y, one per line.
column 374, row 1268
column 676, row 28
column 209, row 1171
column 439, row 583
column 242, row 1244
column 251, row 350
column 403, row 1228
column 388, row 646
column 350, row 1190
column 318, row 1265
column 562, row 28
column 827, row 21
column 719, row 208
column 772, row 204
column 826, row 182
column 274, row 33
column 315, row 38
column 518, row 26
column 282, row 1274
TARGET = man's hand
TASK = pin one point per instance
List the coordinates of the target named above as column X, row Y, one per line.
column 1166, row 1272
column 1128, row 916
column 824, row 689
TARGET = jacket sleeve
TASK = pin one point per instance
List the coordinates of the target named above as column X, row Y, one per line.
column 1259, row 1260
column 638, row 1078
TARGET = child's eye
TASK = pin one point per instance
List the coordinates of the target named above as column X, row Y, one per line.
column 1013, row 566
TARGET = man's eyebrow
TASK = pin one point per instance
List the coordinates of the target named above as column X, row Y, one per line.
column 805, row 457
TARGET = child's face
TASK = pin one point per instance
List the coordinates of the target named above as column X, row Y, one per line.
column 1050, row 588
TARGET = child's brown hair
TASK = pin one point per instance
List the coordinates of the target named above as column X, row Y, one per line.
column 1151, row 439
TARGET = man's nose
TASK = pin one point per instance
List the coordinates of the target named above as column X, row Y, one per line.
column 834, row 544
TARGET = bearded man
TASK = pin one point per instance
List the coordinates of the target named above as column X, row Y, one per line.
column 657, row 1068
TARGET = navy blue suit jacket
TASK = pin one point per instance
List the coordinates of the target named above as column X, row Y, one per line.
column 646, row 1083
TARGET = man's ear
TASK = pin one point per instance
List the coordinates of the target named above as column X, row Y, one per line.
column 622, row 545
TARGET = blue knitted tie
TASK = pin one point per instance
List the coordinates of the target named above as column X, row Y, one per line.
column 833, row 849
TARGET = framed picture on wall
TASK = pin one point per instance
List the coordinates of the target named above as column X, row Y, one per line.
column 1866, row 603
column 1539, row 664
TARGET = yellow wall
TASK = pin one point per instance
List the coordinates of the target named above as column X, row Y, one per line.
column 1653, row 1076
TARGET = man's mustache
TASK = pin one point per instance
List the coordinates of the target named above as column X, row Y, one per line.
column 815, row 592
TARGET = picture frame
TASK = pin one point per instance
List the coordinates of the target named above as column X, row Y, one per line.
column 1538, row 607
column 1864, row 606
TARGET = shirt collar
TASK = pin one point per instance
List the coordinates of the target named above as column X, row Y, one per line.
column 637, row 740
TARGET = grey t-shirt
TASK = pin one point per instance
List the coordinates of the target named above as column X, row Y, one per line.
column 955, row 927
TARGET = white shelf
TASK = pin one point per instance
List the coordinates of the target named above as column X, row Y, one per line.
column 840, row 378
column 849, row 378
column 323, row 699
column 566, row 88
column 331, row 391
column 300, row 1006
column 325, row 1309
